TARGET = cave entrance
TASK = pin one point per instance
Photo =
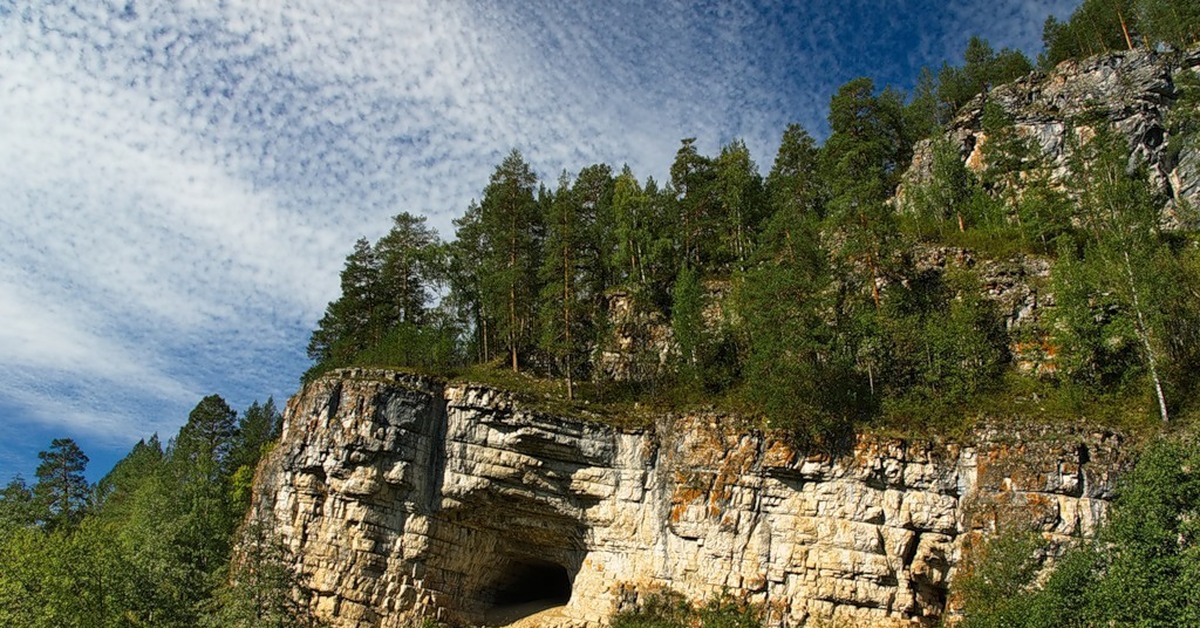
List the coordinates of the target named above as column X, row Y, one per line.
column 525, row 586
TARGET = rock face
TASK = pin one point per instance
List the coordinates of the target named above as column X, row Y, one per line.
column 638, row 345
column 1134, row 91
column 400, row 496
column 1018, row 288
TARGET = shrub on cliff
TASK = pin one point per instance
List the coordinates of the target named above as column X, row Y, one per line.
column 1141, row 569
column 670, row 609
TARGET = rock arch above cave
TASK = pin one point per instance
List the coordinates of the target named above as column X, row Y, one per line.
column 505, row 556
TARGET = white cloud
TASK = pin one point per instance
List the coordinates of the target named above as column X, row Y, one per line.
column 183, row 179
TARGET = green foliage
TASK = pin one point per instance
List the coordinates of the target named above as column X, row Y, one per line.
column 952, row 200
column 574, row 269
column 1095, row 26
column 1043, row 215
column 1142, row 569
column 1171, row 22
column 1183, row 129
column 1098, row 26
column 997, row 571
column 862, row 161
column 942, row 345
column 739, row 203
column 62, row 491
column 803, row 381
column 18, row 508
column 633, row 226
column 692, row 178
column 687, row 322
column 795, row 191
column 154, row 544
column 62, row 577
column 983, row 69
column 262, row 589
column 386, row 293
column 510, row 224
column 349, row 324
column 1117, row 285
column 670, row 609
column 924, row 115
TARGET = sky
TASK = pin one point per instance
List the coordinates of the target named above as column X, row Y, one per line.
column 180, row 181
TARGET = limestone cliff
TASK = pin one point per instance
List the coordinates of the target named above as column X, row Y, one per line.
column 1134, row 91
column 401, row 496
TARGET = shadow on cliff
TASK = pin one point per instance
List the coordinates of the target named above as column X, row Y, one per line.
column 505, row 556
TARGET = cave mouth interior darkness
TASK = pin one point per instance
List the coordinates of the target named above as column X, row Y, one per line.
column 527, row 580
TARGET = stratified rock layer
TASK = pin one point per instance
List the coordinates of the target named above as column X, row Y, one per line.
column 401, row 496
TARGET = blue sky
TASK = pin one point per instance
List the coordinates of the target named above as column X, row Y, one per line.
column 183, row 179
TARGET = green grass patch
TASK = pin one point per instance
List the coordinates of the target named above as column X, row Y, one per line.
column 1021, row 400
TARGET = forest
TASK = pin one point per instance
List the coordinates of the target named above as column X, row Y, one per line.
column 801, row 299
column 797, row 300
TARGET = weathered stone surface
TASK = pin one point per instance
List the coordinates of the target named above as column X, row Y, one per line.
column 638, row 344
column 400, row 496
column 1133, row 90
column 1018, row 287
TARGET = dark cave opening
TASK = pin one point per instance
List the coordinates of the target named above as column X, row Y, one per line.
column 532, row 580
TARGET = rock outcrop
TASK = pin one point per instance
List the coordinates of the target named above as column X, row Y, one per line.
column 1133, row 91
column 402, row 496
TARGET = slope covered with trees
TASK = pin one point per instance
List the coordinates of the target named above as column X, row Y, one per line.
column 804, row 298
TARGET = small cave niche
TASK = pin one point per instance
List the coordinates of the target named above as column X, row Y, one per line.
column 529, row 581
column 1154, row 136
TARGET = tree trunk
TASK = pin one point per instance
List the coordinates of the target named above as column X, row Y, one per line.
column 1125, row 30
column 512, row 296
column 567, row 316
column 512, row 325
column 1143, row 332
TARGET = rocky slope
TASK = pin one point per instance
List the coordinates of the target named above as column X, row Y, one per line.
column 401, row 496
column 1134, row 91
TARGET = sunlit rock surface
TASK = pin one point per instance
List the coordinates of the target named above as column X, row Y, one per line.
column 400, row 496
column 1134, row 91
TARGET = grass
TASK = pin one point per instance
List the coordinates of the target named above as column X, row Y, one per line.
column 1022, row 401
column 1016, row 400
column 991, row 242
column 619, row 404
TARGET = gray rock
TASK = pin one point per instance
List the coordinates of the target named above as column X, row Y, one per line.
column 400, row 496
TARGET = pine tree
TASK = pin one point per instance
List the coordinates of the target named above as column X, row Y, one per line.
column 511, row 231
column 862, row 159
column 409, row 266
column 349, row 324
column 563, row 313
column 692, row 179
column 794, row 187
column 465, row 269
column 632, row 229
column 62, row 489
column 739, row 202
column 18, row 508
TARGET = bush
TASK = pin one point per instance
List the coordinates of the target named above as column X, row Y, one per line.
column 670, row 609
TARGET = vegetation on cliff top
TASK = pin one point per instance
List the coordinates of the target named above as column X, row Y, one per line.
column 801, row 298
column 793, row 297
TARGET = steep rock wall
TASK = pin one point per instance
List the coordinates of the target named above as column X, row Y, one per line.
column 400, row 496
column 1134, row 91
